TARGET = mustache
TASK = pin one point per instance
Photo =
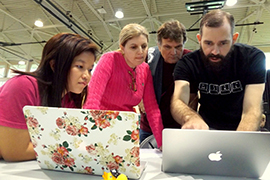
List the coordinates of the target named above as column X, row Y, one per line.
column 215, row 56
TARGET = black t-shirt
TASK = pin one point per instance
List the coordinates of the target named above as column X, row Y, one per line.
column 167, row 91
column 222, row 93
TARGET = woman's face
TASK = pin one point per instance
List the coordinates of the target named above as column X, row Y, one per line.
column 80, row 72
column 135, row 50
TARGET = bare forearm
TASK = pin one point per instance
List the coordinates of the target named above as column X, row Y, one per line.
column 15, row 144
column 250, row 121
column 29, row 153
column 193, row 102
column 20, row 154
column 252, row 108
column 181, row 112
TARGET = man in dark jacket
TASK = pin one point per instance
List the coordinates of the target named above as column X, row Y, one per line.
column 162, row 59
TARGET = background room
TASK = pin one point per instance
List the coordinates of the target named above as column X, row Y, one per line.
column 21, row 40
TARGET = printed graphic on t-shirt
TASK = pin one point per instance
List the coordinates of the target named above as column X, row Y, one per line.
column 222, row 89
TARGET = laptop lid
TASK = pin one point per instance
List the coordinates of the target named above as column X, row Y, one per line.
column 85, row 141
column 212, row 152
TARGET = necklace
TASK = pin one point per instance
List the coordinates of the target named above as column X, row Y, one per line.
column 132, row 85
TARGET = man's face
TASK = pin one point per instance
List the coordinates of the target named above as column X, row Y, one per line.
column 170, row 50
column 216, row 42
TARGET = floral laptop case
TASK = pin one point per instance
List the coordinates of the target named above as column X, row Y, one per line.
column 85, row 141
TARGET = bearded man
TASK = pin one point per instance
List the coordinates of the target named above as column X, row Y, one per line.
column 228, row 76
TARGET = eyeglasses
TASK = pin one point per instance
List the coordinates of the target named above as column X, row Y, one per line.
column 132, row 85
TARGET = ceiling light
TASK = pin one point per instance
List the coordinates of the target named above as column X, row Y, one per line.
column 21, row 62
column 231, row 2
column 101, row 10
column 201, row 6
column 119, row 14
column 39, row 23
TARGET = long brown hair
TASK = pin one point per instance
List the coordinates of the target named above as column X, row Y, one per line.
column 62, row 48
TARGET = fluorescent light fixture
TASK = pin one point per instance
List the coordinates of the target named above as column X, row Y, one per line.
column 39, row 23
column 21, row 62
column 119, row 14
column 101, row 11
column 205, row 5
column 231, row 2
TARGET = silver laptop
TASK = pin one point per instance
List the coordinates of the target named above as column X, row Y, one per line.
column 85, row 141
column 212, row 152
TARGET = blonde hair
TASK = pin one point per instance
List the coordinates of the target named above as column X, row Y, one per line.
column 130, row 31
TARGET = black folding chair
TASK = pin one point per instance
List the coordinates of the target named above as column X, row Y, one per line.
column 266, row 103
column 149, row 143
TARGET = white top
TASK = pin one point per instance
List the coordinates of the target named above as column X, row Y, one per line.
column 30, row 170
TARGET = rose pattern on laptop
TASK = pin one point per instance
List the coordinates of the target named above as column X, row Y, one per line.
column 133, row 136
column 68, row 131
column 72, row 126
column 101, row 119
column 33, row 126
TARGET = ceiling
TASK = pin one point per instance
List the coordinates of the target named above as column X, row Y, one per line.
column 21, row 40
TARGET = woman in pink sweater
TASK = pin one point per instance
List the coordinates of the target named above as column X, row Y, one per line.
column 122, row 79
column 60, row 81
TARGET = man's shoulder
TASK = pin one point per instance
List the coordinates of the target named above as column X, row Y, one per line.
column 186, row 51
column 247, row 53
column 152, row 50
column 241, row 45
column 191, row 54
column 245, row 48
column 153, row 54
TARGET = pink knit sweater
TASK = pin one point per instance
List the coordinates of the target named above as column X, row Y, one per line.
column 109, row 89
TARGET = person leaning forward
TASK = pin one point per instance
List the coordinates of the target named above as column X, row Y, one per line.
column 229, row 76
column 122, row 79
column 61, row 80
column 162, row 59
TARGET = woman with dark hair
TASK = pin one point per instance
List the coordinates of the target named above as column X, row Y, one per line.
column 60, row 80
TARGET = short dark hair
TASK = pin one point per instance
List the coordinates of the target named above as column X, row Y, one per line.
column 173, row 30
column 215, row 18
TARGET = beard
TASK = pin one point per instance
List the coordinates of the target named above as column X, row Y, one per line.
column 216, row 66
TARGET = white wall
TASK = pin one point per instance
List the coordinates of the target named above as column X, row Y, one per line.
column 267, row 55
column 34, row 66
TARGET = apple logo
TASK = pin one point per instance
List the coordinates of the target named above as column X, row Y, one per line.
column 215, row 156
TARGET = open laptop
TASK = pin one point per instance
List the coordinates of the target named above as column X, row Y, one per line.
column 85, row 141
column 212, row 152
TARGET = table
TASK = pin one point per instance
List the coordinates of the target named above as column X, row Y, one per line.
column 29, row 170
